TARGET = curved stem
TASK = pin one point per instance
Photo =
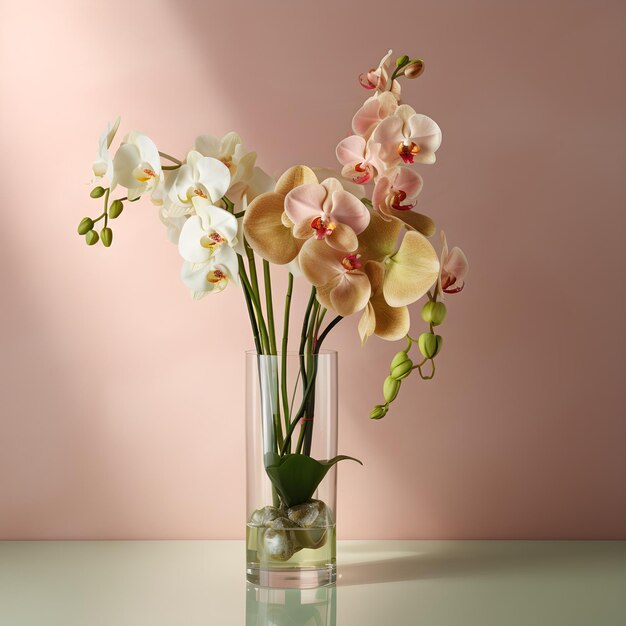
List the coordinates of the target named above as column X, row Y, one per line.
column 328, row 328
column 169, row 157
column 253, row 324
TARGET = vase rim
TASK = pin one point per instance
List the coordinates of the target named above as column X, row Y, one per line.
column 322, row 352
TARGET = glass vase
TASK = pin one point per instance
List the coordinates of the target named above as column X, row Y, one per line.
column 291, row 455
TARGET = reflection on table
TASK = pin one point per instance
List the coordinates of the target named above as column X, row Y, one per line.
column 291, row 607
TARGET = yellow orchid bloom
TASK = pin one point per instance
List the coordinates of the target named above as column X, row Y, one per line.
column 267, row 227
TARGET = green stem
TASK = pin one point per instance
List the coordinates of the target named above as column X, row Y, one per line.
column 306, row 430
column 259, row 313
column 170, row 158
column 106, row 206
column 285, row 345
column 253, row 323
column 328, row 328
column 310, row 385
column 269, row 305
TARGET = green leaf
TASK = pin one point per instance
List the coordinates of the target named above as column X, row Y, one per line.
column 296, row 476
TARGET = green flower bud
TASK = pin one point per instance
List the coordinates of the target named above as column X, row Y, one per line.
column 91, row 238
column 403, row 60
column 380, row 410
column 391, row 386
column 97, row 192
column 414, row 69
column 116, row 208
column 401, row 371
column 107, row 236
column 399, row 358
column 86, row 224
column 429, row 344
column 434, row 313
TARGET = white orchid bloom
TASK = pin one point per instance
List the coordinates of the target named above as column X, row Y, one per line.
column 231, row 152
column 204, row 278
column 103, row 165
column 137, row 164
column 199, row 177
column 206, row 243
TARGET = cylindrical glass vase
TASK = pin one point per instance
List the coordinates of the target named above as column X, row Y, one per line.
column 291, row 435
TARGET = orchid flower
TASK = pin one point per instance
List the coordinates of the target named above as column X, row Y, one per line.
column 231, row 152
column 325, row 210
column 409, row 270
column 200, row 176
column 377, row 78
column 137, row 164
column 267, row 227
column 454, row 269
column 206, row 244
column 407, row 136
column 341, row 283
column 380, row 319
column 205, row 278
column 103, row 165
column 360, row 159
column 395, row 195
column 374, row 110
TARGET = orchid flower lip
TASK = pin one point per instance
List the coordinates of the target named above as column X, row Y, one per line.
column 351, row 262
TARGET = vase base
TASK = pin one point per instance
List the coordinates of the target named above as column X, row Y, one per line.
column 292, row 578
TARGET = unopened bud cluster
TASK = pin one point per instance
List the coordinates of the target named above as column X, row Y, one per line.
column 429, row 344
column 86, row 226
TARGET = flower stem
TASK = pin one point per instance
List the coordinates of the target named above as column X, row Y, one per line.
column 170, row 158
column 246, row 294
column 269, row 305
column 285, row 345
column 328, row 328
column 259, row 312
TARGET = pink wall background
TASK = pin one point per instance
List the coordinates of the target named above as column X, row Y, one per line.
column 109, row 427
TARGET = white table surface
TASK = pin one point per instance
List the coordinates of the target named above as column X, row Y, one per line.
column 381, row 583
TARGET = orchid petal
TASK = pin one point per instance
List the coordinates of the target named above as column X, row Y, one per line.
column 226, row 257
column 266, row 232
column 379, row 239
column 411, row 271
column 189, row 245
column 295, row 176
column 351, row 150
column 348, row 209
column 457, row 263
column 343, row 238
column 319, row 263
column 348, row 293
column 418, row 221
column 305, row 202
column 207, row 145
column 367, row 323
column 392, row 323
column 214, row 176
column 125, row 161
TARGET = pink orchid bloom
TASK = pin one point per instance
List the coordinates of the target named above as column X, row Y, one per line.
column 454, row 268
column 360, row 159
column 377, row 78
column 373, row 112
column 396, row 190
column 328, row 212
column 407, row 136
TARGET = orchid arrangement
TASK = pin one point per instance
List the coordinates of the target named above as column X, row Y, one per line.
column 354, row 236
